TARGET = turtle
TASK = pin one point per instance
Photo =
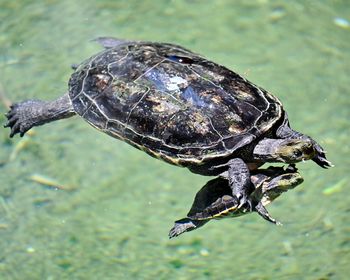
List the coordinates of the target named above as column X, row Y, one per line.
column 215, row 200
column 179, row 107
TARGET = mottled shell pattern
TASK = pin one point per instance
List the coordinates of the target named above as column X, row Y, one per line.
column 170, row 102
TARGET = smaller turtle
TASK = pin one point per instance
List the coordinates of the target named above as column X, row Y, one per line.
column 215, row 200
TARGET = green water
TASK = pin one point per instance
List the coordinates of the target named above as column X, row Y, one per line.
column 112, row 216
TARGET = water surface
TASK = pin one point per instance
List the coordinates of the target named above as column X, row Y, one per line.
column 111, row 217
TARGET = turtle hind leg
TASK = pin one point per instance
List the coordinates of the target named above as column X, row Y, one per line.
column 184, row 225
column 24, row 115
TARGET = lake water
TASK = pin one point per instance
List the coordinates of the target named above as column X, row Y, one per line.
column 111, row 214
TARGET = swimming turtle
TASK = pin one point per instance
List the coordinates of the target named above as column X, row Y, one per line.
column 179, row 107
column 215, row 200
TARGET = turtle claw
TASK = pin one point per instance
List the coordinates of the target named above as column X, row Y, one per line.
column 262, row 211
column 14, row 129
column 244, row 202
column 291, row 168
column 12, row 120
column 19, row 117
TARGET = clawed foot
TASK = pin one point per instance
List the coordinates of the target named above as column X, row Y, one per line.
column 185, row 225
column 18, row 119
column 262, row 211
column 248, row 205
column 13, row 121
column 244, row 202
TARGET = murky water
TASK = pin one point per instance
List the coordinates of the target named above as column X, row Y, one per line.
column 111, row 216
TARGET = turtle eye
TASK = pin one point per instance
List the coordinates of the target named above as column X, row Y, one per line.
column 297, row 153
column 180, row 59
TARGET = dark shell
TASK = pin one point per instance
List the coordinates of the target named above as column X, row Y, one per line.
column 170, row 102
column 214, row 201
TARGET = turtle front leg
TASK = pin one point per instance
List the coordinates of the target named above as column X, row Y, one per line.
column 238, row 176
column 262, row 211
column 24, row 115
column 242, row 187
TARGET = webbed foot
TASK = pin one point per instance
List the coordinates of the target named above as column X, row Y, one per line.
column 18, row 118
column 185, row 225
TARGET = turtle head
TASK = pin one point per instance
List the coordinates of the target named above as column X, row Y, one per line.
column 284, row 150
column 295, row 150
column 272, row 182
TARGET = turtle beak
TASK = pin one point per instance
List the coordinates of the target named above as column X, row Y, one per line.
column 320, row 157
column 322, row 161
